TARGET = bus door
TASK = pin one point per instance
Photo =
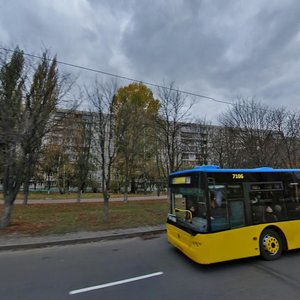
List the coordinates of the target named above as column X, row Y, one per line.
column 227, row 209
column 236, row 204
column 217, row 206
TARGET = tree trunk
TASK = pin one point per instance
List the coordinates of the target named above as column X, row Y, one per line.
column 105, row 207
column 132, row 186
column 26, row 193
column 126, row 191
column 78, row 195
column 25, row 199
column 10, row 193
column 5, row 220
column 145, row 186
column 125, row 196
column 158, row 190
column 48, row 183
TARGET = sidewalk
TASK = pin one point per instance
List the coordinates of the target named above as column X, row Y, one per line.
column 16, row 241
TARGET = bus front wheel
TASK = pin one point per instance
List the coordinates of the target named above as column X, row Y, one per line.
column 271, row 244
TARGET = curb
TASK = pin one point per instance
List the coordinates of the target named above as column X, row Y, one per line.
column 146, row 234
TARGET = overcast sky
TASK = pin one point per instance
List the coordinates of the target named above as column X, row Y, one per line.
column 219, row 48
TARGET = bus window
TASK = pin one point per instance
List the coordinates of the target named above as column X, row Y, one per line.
column 292, row 200
column 218, row 207
column 198, row 207
column 267, row 205
column 294, row 190
column 226, row 206
column 190, row 208
column 180, row 206
column 234, row 191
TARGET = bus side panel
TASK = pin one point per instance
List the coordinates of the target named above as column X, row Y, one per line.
column 230, row 244
column 291, row 230
column 219, row 246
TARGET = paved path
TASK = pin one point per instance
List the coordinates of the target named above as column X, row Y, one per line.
column 84, row 200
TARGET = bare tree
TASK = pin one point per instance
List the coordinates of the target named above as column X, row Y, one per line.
column 252, row 125
column 101, row 99
column 292, row 140
column 224, row 147
column 288, row 132
column 200, row 141
column 82, row 123
column 174, row 110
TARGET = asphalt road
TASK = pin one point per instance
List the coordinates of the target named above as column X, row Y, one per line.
column 141, row 269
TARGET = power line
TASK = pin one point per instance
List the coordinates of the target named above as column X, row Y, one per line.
column 124, row 77
column 136, row 80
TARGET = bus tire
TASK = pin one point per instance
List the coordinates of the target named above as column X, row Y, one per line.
column 270, row 244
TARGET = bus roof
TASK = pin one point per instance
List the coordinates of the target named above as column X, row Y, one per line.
column 217, row 169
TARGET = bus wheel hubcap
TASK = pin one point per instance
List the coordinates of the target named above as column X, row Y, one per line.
column 271, row 244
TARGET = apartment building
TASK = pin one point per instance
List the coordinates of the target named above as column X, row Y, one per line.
column 74, row 132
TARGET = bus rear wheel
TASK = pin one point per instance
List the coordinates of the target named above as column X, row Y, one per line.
column 271, row 244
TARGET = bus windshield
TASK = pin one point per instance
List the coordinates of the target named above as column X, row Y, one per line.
column 189, row 207
column 206, row 205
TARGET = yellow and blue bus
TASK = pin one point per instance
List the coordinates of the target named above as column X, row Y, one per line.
column 224, row 214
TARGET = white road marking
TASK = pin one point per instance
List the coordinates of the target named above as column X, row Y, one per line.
column 91, row 288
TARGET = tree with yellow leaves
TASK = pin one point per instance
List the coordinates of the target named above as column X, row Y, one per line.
column 135, row 110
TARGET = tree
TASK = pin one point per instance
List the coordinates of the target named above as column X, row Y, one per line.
column 288, row 132
column 67, row 153
column 101, row 100
column 194, row 139
column 49, row 161
column 24, row 120
column 291, row 141
column 40, row 104
column 82, row 137
column 174, row 110
column 224, row 147
column 254, row 129
column 11, row 121
column 134, row 109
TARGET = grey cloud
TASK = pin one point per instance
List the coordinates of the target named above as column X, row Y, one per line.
column 221, row 49
column 190, row 43
column 170, row 41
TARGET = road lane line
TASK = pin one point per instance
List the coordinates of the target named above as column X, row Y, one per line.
column 91, row 288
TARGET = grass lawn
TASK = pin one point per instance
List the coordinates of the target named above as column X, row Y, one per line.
column 44, row 219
